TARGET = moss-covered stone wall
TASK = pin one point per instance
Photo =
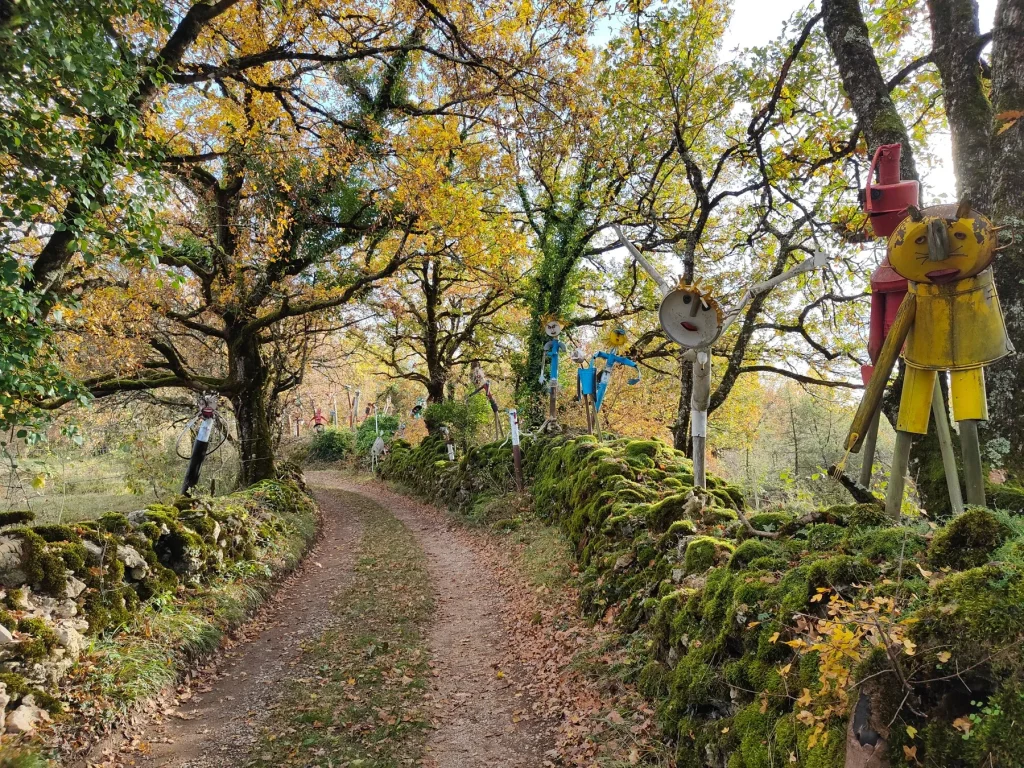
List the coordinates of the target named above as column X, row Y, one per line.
column 742, row 632
column 66, row 588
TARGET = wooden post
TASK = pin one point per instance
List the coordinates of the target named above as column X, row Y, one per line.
column 887, row 358
column 517, row 456
column 898, row 474
column 971, row 446
column 956, row 501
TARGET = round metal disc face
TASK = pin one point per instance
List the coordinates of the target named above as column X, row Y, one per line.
column 689, row 321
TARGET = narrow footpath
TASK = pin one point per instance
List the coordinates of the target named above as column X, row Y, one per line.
column 358, row 660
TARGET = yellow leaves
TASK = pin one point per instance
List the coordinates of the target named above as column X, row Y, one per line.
column 785, row 670
column 1008, row 119
column 805, row 698
column 963, row 725
column 911, row 731
column 39, row 482
column 944, row 656
column 910, row 753
column 774, row 638
column 806, row 717
column 909, row 647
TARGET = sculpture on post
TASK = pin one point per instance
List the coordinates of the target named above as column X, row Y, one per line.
column 950, row 321
column 552, row 349
column 592, row 383
column 694, row 320
column 483, row 384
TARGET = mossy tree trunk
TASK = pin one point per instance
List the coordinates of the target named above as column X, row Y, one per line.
column 252, row 405
column 1006, row 378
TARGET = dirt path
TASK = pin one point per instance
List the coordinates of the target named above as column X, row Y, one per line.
column 481, row 719
column 479, row 716
column 220, row 715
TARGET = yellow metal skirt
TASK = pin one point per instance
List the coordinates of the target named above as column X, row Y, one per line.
column 958, row 326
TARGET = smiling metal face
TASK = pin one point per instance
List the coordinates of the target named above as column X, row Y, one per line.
column 690, row 318
column 552, row 328
column 942, row 244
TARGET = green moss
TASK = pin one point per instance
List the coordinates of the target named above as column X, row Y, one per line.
column 705, row 552
column 1009, row 497
column 868, row 516
column 17, row 517
column 751, row 549
column 7, row 621
column 43, row 639
column 886, row 544
column 43, row 565
column 52, row 533
column 824, row 537
column 968, row 540
column 114, row 522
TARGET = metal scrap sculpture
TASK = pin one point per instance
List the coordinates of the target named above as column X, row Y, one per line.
column 886, row 203
column 950, row 321
column 694, row 320
column 549, row 377
column 592, row 382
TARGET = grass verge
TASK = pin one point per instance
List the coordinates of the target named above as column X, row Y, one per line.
column 360, row 701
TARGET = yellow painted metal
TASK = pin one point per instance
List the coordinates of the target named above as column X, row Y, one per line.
column 968, row 242
column 880, row 378
column 967, row 390
column 916, row 400
column 958, row 326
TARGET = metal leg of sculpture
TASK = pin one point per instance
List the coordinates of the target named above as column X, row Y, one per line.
column 898, row 474
column 971, row 447
column 868, row 453
column 956, row 500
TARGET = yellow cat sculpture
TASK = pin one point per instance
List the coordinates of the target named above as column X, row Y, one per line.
column 951, row 321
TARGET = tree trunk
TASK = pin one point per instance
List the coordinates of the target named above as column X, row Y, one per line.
column 681, row 429
column 955, row 44
column 435, row 389
column 851, row 47
column 1006, row 378
column 252, row 411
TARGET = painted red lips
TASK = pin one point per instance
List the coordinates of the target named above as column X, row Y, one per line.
column 689, row 326
column 942, row 275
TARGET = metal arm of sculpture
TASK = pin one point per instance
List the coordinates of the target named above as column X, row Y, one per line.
column 604, row 377
column 818, row 259
column 660, row 281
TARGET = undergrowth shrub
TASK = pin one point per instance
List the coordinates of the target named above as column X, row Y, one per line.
column 332, row 445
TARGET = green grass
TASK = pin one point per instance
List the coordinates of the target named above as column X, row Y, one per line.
column 84, row 506
column 360, row 700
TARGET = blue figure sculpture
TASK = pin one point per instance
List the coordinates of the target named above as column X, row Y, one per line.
column 592, row 382
column 552, row 349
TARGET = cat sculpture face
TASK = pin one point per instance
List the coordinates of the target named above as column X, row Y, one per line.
column 942, row 244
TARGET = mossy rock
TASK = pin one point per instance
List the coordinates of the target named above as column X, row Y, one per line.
column 969, row 540
column 869, row 516
column 750, row 550
column 704, row 552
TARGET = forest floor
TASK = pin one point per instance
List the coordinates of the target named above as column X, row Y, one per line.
column 405, row 639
